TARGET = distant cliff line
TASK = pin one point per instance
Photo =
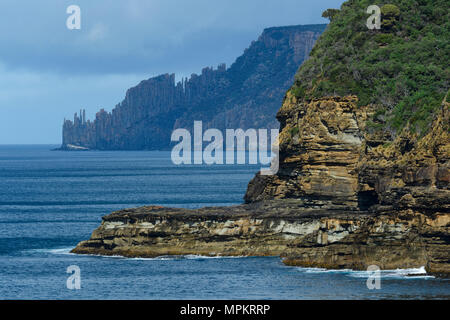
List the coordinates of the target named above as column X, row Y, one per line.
column 245, row 95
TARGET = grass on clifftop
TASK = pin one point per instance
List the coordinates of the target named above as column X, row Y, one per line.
column 402, row 68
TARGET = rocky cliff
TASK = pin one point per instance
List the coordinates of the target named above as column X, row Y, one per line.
column 336, row 203
column 246, row 95
column 352, row 190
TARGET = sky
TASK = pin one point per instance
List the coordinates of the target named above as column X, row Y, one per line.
column 48, row 72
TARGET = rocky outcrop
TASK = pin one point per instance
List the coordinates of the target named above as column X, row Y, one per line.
column 328, row 159
column 246, row 95
column 335, row 203
column 320, row 147
column 411, row 172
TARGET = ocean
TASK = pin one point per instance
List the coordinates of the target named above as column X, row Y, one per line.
column 49, row 201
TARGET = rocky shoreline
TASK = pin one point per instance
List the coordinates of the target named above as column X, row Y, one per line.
column 309, row 238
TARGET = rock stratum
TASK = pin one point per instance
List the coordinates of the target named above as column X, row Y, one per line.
column 246, row 95
column 346, row 195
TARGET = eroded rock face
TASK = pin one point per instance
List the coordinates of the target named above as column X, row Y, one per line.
column 411, row 172
column 320, row 146
column 329, row 160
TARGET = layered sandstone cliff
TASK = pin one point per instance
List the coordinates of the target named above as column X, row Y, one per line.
column 320, row 145
column 336, row 202
column 328, row 159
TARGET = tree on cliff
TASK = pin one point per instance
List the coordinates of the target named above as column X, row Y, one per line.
column 391, row 14
column 330, row 13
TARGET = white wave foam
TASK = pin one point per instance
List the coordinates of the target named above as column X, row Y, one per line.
column 52, row 251
column 66, row 251
column 322, row 270
column 186, row 257
column 151, row 259
column 61, row 251
column 411, row 273
column 194, row 257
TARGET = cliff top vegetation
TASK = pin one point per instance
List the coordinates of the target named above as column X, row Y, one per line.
column 401, row 69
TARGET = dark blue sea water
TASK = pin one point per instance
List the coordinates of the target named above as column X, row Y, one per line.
column 49, row 201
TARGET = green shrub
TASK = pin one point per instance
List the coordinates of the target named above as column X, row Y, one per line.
column 294, row 131
column 330, row 14
column 384, row 38
column 298, row 92
column 390, row 15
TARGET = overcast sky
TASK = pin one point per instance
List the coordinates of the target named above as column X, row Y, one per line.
column 48, row 72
